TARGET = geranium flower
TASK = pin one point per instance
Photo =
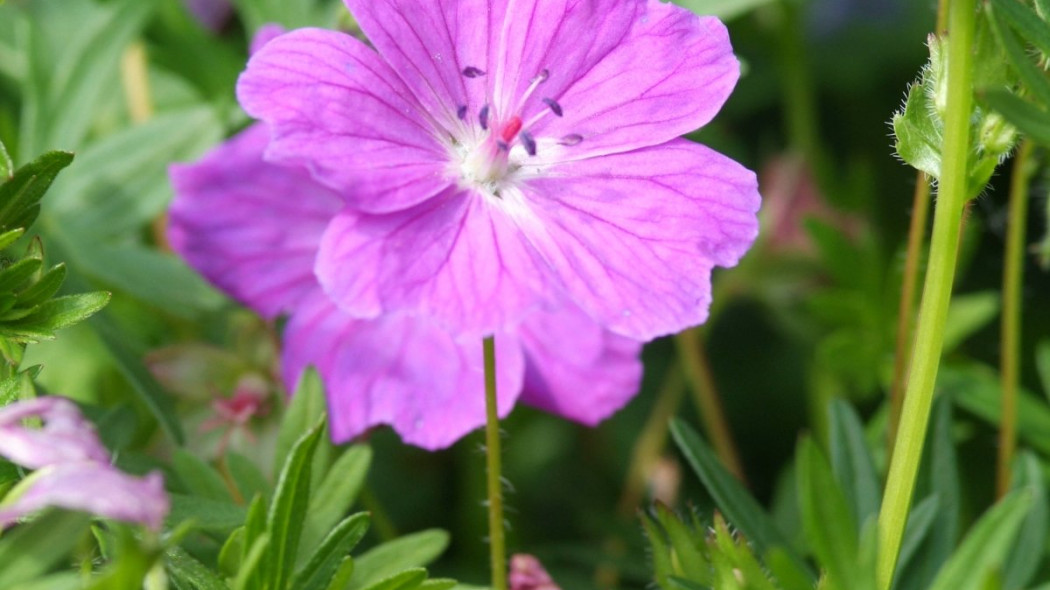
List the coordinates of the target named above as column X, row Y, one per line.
column 501, row 157
column 527, row 573
column 254, row 229
column 72, row 467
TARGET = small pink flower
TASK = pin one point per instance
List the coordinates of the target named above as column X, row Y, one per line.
column 527, row 573
column 65, row 437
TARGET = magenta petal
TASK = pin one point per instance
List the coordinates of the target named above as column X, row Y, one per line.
column 668, row 76
column 457, row 258
column 66, row 436
column 252, row 228
column 335, row 107
column 633, row 236
column 400, row 371
column 429, row 43
column 576, row 369
column 95, row 488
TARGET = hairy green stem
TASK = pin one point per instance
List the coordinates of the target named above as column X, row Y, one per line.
column 920, row 214
column 497, row 549
column 702, row 384
column 1010, row 341
column 933, row 310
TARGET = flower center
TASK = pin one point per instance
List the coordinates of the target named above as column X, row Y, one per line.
column 489, row 156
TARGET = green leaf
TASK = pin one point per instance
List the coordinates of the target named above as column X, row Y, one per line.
column 406, row 580
column 1026, row 22
column 20, row 196
column 342, row 576
column 252, row 564
column 7, row 167
column 1028, row 549
column 232, row 552
column 247, row 476
column 1042, row 365
column 976, row 388
column 200, row 478
column 967, row 315
column 325, row 561
column 1033, row 78
column 18, row 273
column 335, row 495
column 53, row 315
column 826, row 515
column 185, row 569
column 44, row 288
column 9, row 237
column 985, row 548
column 663, row 564
column 920, row 519
column 724, row 9
column 1028, row 118
column 415, row 550
column 304, row 411
column 254, row 529
column 918, row 133
column 130, row 365
column 731, row 497
column 208, row 515
column 287, row 514
column 34, row 548
column 786, row 571
column 851, row 461
column 438, row 584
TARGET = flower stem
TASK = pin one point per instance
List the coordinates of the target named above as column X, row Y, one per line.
column 497, row 550
column 920, row 213
column 933, row 310
column 701, row 382
column 1010, row 342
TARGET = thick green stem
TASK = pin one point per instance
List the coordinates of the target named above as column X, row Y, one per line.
column 497, row 549
column 701, row 382
column 920, row 213
column 1010, row 341
column 933, row 310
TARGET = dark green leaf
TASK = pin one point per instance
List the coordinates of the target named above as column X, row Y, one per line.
column 325, row 561
column 44, row 288
column 7, row 167
column 287, row 514
column 826, row 515
column 985, row 547
column 186, row 569
column 919, row 523
column 731, row 497
column 9, row 237
column 976, row 389
column 20, row 196
column 415, row 550
column 851, row 461
column 335, row 495
column 18, row 273
column 1028, row 118
column 1042, row 364
column 247, row 476
column 34, row 548
column 208, row 515
column 1028, row 549
column 53, row 315
column 1026, row 22
column 200, row 478
column 406, row 580
column 1033, row 77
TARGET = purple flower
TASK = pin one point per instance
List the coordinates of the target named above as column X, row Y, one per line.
column 90, row 487
column 504, row 158
column 527, row 573
column 254, row 229
column 72, row 467
column 211, row 14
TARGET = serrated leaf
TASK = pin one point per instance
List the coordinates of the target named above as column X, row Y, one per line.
column 325, row 561
column 20, row 195
column 1026, row 22
column 34, row 548
column 663, row 566
column 415, row 550
column 826, row 515
column 918, row 133
column 985, row 547
column 851, row 461
column 1026, row 117
column 689, row 558
column 967, row 315
column 732, row 499
column 335, row 495
column 287, row 513
column 184, row 568
column 406, row 580
column 201, row 479
column 1028, row 549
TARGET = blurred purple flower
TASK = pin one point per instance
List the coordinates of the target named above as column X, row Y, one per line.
column 254, row 229
column 211, row 14
column 72, row 467
column 91, row 487
column 527, row 573
column 502, row 159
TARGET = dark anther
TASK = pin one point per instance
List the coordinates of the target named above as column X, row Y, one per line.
column 528, row 142
column 461, row 112
column 571, row 140
column 554, row 106
column 502, row 145
column 543, row 75
column 483, row 117
column 472, row 72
